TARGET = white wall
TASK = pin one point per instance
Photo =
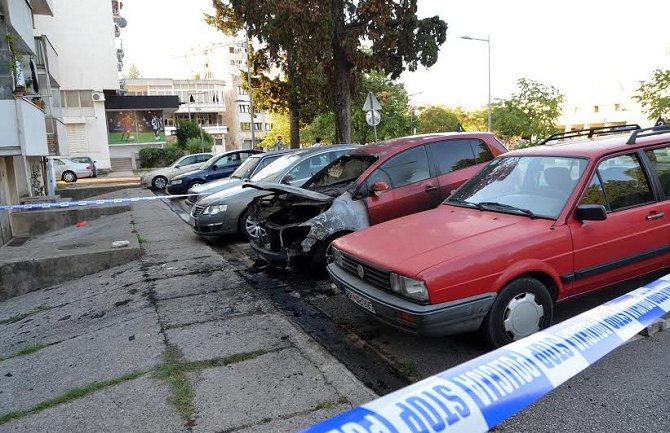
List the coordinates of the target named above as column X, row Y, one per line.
column 82, row 31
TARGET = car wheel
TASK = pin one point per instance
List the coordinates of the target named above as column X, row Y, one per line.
column 521, row 308
column 318, row 256
column 159, row 182
column 247, row 228
column 194, row 184
column 69, row 176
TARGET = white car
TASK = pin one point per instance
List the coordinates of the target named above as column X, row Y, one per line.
column 158, row 179
column 69, row 171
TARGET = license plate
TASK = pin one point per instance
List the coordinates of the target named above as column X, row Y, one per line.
column 361, row 301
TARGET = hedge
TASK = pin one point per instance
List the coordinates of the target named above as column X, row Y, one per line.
column 152, row 157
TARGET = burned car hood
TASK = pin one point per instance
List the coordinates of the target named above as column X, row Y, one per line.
column 280, row 188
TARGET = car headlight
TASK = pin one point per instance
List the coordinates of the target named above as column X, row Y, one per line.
column 215, row 209
column 176, row 182
column 409, row 287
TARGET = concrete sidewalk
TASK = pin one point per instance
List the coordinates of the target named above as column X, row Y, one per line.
column 175, row 341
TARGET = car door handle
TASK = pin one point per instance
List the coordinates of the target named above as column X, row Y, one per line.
column 655, row 216
column 430, row 188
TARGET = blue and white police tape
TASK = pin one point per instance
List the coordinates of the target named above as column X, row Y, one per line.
column 480, row 394
column 81, row 203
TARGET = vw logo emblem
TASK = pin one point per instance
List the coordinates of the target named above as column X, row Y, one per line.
column 360, row 271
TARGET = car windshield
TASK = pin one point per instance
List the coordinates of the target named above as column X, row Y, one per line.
column 247, row 167
column 210, row 162
column 537, row 186
column 346, row 169
column 278, row 166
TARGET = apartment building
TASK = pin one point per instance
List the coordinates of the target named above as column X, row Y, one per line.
column 28, row 103
column 86, row 35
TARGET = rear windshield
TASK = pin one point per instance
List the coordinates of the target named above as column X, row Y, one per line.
column 346, row 169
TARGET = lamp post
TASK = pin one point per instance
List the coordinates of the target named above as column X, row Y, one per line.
column 251, row 98
column 488, row 42
column 412, row 130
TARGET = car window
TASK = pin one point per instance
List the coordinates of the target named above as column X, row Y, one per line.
column 58, row 162
column 452, row 155
column 660, row 162
column 594, row 194
column 244, row 155
column 345, row 169
column 233, row 158
column 403, row 169
column 624, row 182
column 265, row 162
column 310, row 166
column 202, row 158
column 481, row 151
column 189, row 160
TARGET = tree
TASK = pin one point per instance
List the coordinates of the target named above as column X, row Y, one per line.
column 134, row 72
column 437, row 119
column 654, row 95
column 187, row 129
column 280, row 126
column 531, row 113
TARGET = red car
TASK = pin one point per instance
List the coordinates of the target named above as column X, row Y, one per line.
column 534, row 227
column 372, row 184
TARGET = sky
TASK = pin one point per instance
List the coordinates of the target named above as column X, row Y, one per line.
column 588, row 49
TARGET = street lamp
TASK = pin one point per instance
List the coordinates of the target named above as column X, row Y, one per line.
column 251, row 98
column 412, row 130
column 488, row 42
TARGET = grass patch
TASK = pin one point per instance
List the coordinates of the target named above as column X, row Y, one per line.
column 407, row 370
column 25, row 351
column 73, row 394
column 19, row 317
column 326, row 405
column 174, row 372
column 141, row 240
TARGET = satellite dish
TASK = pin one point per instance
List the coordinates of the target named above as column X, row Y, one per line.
column 123, row 22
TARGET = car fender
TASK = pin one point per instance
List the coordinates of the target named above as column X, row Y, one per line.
column 528, row 266
column 344, row 215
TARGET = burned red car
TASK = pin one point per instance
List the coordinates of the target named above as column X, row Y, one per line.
column 535, row 227
column 372, row 184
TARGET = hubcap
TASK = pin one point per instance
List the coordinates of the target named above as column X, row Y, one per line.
column 160, row 183
column 195, row 185
column 69, row 177
column 522, row 316
column 252, row 228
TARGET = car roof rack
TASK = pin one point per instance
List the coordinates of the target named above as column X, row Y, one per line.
column 648, row 132
column 590, row 132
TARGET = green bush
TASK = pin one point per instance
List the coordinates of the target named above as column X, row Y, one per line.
column 151, row 157
column 187, row 129
column 196, row 145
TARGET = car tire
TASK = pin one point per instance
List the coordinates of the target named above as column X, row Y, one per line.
column 243, row 226
column 194, row 184
column 159, row 182
column 69, row 176
column 318, row 260
column 523, row 307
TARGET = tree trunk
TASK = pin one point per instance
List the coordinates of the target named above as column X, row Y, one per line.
column 342, row 89
column 293, row 102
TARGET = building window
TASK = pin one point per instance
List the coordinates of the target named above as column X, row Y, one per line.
column 596, row 108
column 244, row 108
column 232, row 62
column 268, row 126
column 232, row 50
column 258, row 126
column 241, row 91
column 245, row 126
column 77, row 103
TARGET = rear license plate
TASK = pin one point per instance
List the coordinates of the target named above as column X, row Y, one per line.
column 361, row 301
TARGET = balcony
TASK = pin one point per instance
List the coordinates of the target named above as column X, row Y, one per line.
column 42, row 7
column 47, row 60
column 26, row 133
column 19, row 17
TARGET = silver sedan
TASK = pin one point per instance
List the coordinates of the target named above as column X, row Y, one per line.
column 226, row 212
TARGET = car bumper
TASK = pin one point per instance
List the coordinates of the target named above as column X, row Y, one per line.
column 177, row 189
column 210, row 227
column 275, row 257
column 145, row 182
column 448, row 318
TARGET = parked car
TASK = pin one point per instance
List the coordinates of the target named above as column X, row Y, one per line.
column 244, row 172
column 375, row 183
column 535, row 227
column 226, row 212
column 159, row 179
column 88, row 161
column 218, row 167
column 69, row 171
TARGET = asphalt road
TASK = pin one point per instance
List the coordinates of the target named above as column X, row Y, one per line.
column 626, row 391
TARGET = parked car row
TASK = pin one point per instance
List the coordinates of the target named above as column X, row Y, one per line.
column 450, row 233
column 71, row 169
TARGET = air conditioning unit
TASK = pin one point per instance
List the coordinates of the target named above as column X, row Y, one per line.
column 98, row 96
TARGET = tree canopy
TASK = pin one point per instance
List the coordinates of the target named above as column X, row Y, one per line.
column 654, row 95
column 437, row 119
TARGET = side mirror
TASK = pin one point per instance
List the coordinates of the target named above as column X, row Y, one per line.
column 288, row 179
column 177, row 166
column 591, row 212
column 378, row 188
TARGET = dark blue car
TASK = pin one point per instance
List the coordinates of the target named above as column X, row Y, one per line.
column 218, row 167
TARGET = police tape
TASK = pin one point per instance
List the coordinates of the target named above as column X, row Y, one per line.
column 82, row 203
column 480, row 394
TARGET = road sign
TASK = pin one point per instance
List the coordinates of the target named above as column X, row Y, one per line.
column 373, row 118
column 371, row 103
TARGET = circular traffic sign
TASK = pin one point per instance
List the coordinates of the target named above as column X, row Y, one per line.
column 373, row 117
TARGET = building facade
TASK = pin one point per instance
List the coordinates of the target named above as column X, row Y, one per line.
column 29, row 111
column 89, row 68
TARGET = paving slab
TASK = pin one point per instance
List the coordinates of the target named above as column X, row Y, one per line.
column 138, row 406
column 189, row 285
column 212, row 306
column 112, row 352
column 297, row 422
column 266, row 387
column 224, row 338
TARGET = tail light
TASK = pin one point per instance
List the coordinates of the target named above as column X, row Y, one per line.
column 88, row 167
